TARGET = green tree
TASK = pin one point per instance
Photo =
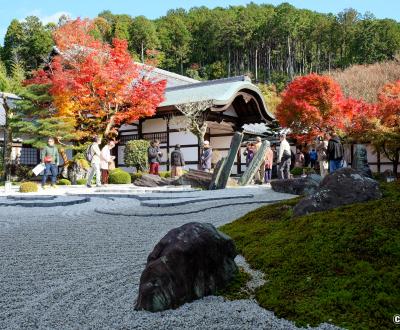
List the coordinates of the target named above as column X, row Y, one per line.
column 135, row 154
column 175, row 40
column 143, row 36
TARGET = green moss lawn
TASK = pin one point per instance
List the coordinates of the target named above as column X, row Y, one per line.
column 340, row 266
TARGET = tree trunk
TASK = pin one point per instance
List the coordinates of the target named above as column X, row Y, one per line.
column 63, row 154
column 109, row 126
column 8, row 141
column 229, row 60
column 142, row 52
column 395, row 162
column 256, row 64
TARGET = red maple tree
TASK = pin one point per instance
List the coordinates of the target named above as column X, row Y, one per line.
column 96, row 83
column 311, row 105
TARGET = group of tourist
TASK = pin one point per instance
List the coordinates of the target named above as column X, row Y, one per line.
column 101, row 161
column 328, row 153
column 177, row 161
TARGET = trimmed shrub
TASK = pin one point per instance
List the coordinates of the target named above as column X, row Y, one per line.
column 81, row 182
column 28, row 187
column 296, row 171
column 135, row 154
column 64, row 182
column 119, row 176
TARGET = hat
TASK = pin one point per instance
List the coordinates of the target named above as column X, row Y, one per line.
column 206, row 142
column 258, row 139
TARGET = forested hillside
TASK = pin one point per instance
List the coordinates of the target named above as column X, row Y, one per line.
column 271, row 43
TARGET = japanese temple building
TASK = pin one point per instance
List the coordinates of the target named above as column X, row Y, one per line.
column 232, row 103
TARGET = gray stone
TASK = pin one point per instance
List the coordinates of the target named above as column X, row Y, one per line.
column 76, row 172
column 196, row 179
column 360, row 160
column 190, row 262
column 151, row 180
column 216, row 174
column 344, row 186
column 298, row 186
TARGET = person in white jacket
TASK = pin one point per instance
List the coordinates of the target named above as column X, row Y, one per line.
column 95, row 162
column 105, row 160
column 284, row 158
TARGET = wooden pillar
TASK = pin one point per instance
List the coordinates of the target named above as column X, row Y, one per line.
column 378, row 161
column 230, row 160
column 351, row 156
column 168, row 161
column 254, row 165
column 140, row 133
column 239, row 160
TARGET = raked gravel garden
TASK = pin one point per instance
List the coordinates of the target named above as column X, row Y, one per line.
column 78, row 266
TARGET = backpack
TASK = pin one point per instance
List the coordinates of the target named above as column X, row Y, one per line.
column 89, row 153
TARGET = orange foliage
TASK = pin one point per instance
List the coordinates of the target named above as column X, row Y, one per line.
column 91, row 80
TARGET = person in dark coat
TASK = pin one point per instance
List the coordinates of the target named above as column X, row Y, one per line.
column 154, row 155
column 205, row 160
column 335, row 153
column 177, row 162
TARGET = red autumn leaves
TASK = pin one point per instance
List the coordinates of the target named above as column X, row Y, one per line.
column 314, row 104
column 95, row 80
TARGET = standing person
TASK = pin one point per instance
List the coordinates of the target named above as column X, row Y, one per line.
column 51, row 159
column 275, row 160
column 306, row 155
column 313, row 157
column 177, row 162
column 322, row 152
column 335, row 153
column 249, row 153
column 93, row 155
column 105, row 160
column 299, row 158
column 269, row 159
column 284, row 158
column 154, row 155
column 259, row 177
column 205, row 159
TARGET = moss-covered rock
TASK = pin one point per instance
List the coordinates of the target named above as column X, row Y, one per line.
column 338, row 266
column 27, row 187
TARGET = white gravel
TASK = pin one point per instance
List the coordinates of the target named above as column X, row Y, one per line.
column 73, row 268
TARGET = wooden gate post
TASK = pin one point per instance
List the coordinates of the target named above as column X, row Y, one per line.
column 254, row 165
column 226, row 167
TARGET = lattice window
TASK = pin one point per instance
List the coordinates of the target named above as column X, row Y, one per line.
column 29, row 156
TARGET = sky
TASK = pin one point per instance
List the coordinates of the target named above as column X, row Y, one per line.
column 51, row 10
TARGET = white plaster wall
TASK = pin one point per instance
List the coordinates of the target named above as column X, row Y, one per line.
column 129, row 132
column 220, row 141
column 127, row 127
column 182, row 138
column 154, row 125
column 189, row 154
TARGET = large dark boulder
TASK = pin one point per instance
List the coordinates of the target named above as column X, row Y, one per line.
column 344, row 186
column 190, row 262
column 200, row 179
column 360, row 160
column 151, row 180
column 298, row 186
